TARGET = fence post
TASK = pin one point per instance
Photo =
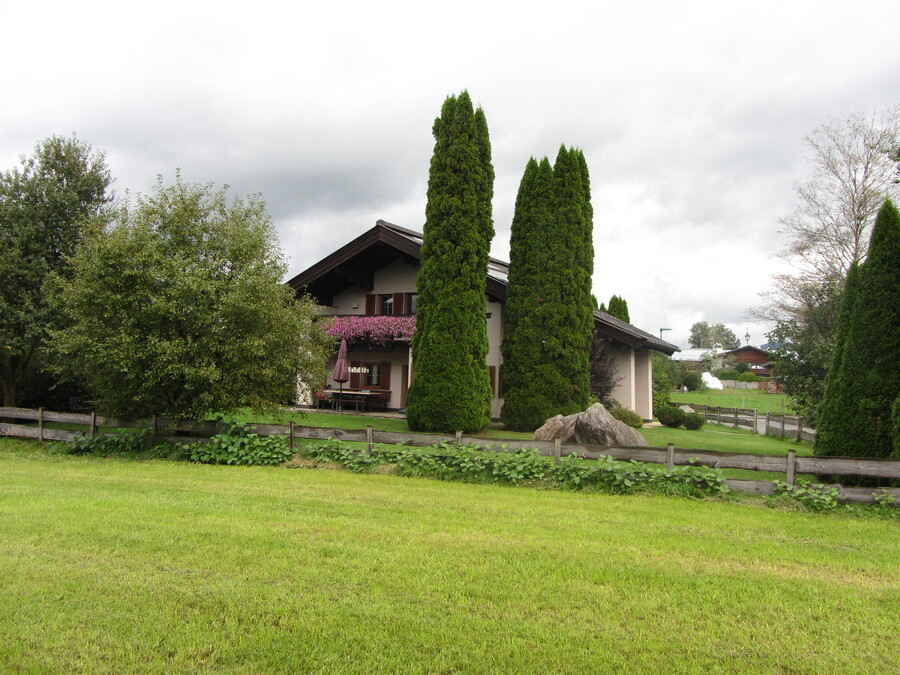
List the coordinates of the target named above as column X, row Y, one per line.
column 799, row 429
column 735, row 418
column 670, row 456
column 791, row 466
column 41, row 425
column 557, row 450
column 756, row 420
column 458, row 437
column 718, row 414
column 93, row 423
column 767, row 425
column 291, row 435
column 782, row 425
column 155, row 428
column 370, row 438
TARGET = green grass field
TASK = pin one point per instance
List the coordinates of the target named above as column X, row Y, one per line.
column 736, row 398
column 115, row 566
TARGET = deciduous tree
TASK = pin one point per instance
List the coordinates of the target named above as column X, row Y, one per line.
column 44, row 205
column 177, row 308
column 705, row 336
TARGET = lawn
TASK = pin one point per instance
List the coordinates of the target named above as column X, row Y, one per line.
column 736, row 398
column 113, row 565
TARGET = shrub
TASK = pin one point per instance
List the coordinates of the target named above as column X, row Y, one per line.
column 670, row 416
column 694, row 421
column 629, row 417
column 814, row 496
column 749, row 377
column 692, row 380
column 728, row 375
column 131, row 442
column 237, row 445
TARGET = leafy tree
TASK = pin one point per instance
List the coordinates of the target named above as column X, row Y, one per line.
column 706, row 336
column 451, row 388
column 618, row 308
column 177, row 308
column 864, row 380
column 44, row 205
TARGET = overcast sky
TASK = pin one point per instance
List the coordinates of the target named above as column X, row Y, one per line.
column 691, row 116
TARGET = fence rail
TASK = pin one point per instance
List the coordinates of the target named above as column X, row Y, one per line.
column 769, row 424
column 186, row 431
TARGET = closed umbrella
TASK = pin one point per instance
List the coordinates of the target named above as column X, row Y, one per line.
column 341, row 372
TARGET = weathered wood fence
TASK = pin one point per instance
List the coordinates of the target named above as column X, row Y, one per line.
column 181, row 431
column 768, row 424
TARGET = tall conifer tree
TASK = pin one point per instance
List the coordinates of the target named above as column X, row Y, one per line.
column 451, row 384
column 856, row 417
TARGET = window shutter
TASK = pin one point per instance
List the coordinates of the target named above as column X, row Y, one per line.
column 492, row 372
column 370, row 304
column 354, row 377
column 385, row 375
column 399, row 304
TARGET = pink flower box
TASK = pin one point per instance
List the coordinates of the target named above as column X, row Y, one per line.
column 373, row 328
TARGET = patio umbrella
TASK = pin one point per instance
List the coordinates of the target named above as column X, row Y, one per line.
column 341, row 372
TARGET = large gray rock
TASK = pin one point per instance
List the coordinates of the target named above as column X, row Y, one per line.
column 594, row 426
column 557, row 427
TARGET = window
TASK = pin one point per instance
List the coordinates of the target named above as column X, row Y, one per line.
column 373, row 379
column 412, row 300
column 386, row 304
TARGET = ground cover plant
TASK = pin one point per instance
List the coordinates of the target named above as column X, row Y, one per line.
column 170, row 567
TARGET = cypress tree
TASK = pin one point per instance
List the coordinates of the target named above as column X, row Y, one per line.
column 618, row 308
column 570, row 295
column 532, row 385
column 856, row 418
column 451, row 388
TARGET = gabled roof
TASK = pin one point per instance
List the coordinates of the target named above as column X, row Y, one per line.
column 356, row 263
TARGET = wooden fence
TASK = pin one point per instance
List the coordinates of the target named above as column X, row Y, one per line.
column 770, row 424
column 180, row 431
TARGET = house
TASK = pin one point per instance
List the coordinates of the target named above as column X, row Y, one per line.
column 369, row 286
column 760, row 361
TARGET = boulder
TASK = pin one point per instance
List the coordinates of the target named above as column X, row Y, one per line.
column 594, row 426
column 557, row 427
column 687, row 409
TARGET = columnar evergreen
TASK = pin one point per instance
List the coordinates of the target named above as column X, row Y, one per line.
column 618, row 308
column 451, row 385
column 864, row 382
column 570, row 341
column 549, row 310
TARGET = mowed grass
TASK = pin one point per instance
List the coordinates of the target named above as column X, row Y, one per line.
column 735, row 398
column 113, row 565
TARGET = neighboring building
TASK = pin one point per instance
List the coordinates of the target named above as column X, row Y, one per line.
column 369, row 285
column 761, row 362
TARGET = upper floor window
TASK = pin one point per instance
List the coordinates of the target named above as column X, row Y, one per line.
column 386, row 304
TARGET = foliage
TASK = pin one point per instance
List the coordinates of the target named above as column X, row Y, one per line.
column 864, row 379
column 547, row 340
column 618, row 308
column 177, row 308
column 447, row 461
column 44, row 207
column 627, row 416
column 127, row 442
column 239, row 446
column 706, row 336
column 372, row 328
column 692, row 380
column 670, row 416
column 451, row 389
column 604, row 375
column 694, row 421
column 815, row 496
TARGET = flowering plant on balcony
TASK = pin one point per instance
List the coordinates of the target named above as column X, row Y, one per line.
column 373, row 328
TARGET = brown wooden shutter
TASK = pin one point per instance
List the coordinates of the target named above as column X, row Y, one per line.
column 492, row 371
column 370, row 303
column 354, row 377
column 385, row 375
column 399, row 306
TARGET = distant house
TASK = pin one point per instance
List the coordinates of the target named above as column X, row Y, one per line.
column 369, row 286
column 760, row 361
